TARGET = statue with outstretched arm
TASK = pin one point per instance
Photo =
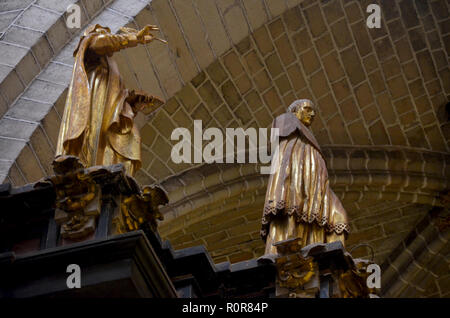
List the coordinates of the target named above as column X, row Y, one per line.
column 98, row 122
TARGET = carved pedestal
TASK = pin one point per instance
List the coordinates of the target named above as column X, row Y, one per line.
column 99, row 201
column 319, row 271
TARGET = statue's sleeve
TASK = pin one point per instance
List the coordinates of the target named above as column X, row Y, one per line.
column 107, row 44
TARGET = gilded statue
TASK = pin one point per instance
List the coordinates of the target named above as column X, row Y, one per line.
column 98, row 123
column 299, row 202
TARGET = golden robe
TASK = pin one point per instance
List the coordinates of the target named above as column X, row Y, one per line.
column 299, row 201
column 98, row 122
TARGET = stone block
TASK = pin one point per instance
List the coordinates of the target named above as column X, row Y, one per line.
column 276, row 28
column 293, row 19
column 363, row 95
column 370, row 114
column 285, row 51
column 310, row 61
column 158, row 170
column 253, row 100
column 216, row 30
column 256, row 13
column 349, row 109
column 341, row 89
column 319, row 85
column 243, row 114
column 353, row 12
column 378, row 133
column 43, row 52
column 244, row 46
column 359, row 133
column 43, row 149
column 409, row 14
column 253, row 62
column 92, row 6
column 386, row 108
column 337, row 130
column 223, row 116
column 391, row 68
column 27, row 68
column 44, row 91
column 296, row 77
column 194, row 31
column 426, row 65
column 403, row 50
column 233, row 64
column 417, row 39
column 16, row 176
column 37, row 19
column 176, row 41
column 396, row 135
column 51, row 124
column 275, row 7
column 274, row 65
column 202, row 113
column 397, row 87
column 352, row 65
column 57, row 73
column 244, row 84
column 58, row 35
column 377, row 82
column 272, row 99
column 315, row 20
column 210, row 95
column 416, row 136
column 362, row 39
column 263, row 118
column 230, row 94
column 11, row 55
column 22, row 36
column 16, row 128
column 341, row 33
column 163, row 124
column 261, row 36
column 29, row 165
column 302, row 41
column 333, row 11
column 283, row 84
column 383, row 48
column 11, row 87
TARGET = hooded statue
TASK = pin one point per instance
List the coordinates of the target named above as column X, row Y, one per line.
column 98, row 122
column 299, row 202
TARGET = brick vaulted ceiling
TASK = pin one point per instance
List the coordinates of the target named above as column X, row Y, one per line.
column 382, row 96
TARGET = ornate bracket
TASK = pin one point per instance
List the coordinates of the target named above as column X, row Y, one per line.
column 137, row 209
column 319, row 270
column 78, row 198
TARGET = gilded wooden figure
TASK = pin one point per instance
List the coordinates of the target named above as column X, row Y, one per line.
column 299, row 201
column 98, row 122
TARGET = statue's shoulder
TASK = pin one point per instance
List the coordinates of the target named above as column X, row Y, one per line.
column 287, row 123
